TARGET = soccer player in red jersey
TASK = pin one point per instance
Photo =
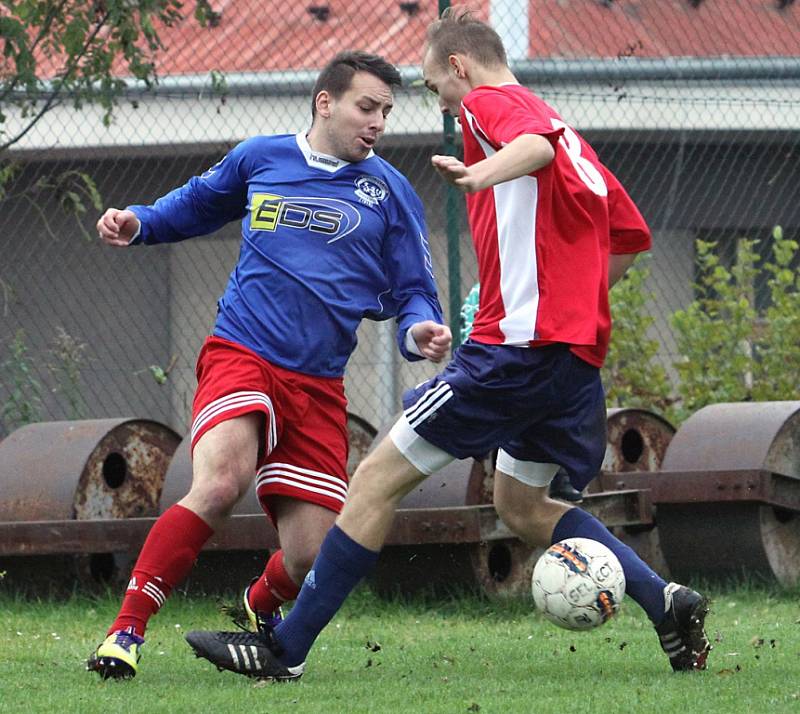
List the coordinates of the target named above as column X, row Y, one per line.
column 552, row 229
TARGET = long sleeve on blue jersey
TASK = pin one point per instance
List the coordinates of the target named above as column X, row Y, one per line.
column 410, row 271
column 202, row 205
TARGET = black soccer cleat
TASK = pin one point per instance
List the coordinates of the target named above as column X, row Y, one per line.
column 253, row 654
column 561, row 488
column 681, row 634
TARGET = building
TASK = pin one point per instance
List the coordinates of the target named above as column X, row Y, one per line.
column 700, row 120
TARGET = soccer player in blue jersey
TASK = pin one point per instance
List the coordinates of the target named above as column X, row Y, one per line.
column 552, row 229
column 331, row 234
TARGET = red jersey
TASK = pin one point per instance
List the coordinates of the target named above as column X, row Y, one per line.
column 543, row 240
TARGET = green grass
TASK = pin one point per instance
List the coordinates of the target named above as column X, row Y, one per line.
column 460, row 656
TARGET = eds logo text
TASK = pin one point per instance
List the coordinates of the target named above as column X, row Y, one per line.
column 327, row 216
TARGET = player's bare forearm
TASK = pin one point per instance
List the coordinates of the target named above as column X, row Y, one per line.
column 522, row 156
column 618, row 264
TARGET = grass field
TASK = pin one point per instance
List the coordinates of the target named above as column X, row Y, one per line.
column 460, row 656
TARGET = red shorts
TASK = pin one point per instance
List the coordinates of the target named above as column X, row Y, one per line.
column 305, row 421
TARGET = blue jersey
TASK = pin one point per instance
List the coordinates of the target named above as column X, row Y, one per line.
column 325, row 243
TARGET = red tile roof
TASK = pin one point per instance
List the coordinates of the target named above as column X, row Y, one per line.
column 266, row 35
column 275, row 35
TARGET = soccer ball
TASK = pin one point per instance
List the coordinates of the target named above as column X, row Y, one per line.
column 578, row 584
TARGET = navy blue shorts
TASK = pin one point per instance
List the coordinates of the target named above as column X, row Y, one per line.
column 542, row 404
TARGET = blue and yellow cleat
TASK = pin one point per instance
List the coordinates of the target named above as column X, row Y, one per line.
column 118, row 656
column 257, row 620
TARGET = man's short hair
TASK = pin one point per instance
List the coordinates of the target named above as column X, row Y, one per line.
column 336, row 76
column 457, row 31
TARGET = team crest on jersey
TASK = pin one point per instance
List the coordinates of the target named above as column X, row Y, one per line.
column 371, row 190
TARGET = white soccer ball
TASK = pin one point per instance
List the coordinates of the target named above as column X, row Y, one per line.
column 578, row 584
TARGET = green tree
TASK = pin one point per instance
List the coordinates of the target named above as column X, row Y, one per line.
column 56, row 51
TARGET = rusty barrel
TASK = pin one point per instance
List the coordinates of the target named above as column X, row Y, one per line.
column 92, row 469
column 637, row 440
column 218, row 570
column 735, row 535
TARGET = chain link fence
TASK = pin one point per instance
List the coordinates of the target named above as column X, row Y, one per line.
column 694, row 104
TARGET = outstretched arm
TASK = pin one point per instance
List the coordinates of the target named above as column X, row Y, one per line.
column 520, row 157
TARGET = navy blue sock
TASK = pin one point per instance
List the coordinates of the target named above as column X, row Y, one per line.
column 641, row 583
column 338, row 568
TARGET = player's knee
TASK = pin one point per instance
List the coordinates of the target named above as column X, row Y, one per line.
column 526, row 518
column 297, row 561
column 516, row 515
column 220, row 491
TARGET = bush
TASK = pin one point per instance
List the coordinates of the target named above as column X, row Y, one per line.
column 728, row 351
column 632, row 377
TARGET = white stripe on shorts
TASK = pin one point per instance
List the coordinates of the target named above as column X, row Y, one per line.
column 235, row 401
column 429, row 403
column 302, row 487
column 302, row 477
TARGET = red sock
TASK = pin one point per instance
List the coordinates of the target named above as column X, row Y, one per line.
column 167, row 556
column 274, row 587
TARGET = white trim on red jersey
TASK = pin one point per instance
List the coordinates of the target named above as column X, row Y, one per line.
column 516, row 203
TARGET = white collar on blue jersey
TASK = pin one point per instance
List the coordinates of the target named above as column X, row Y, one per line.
column 318, row 160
